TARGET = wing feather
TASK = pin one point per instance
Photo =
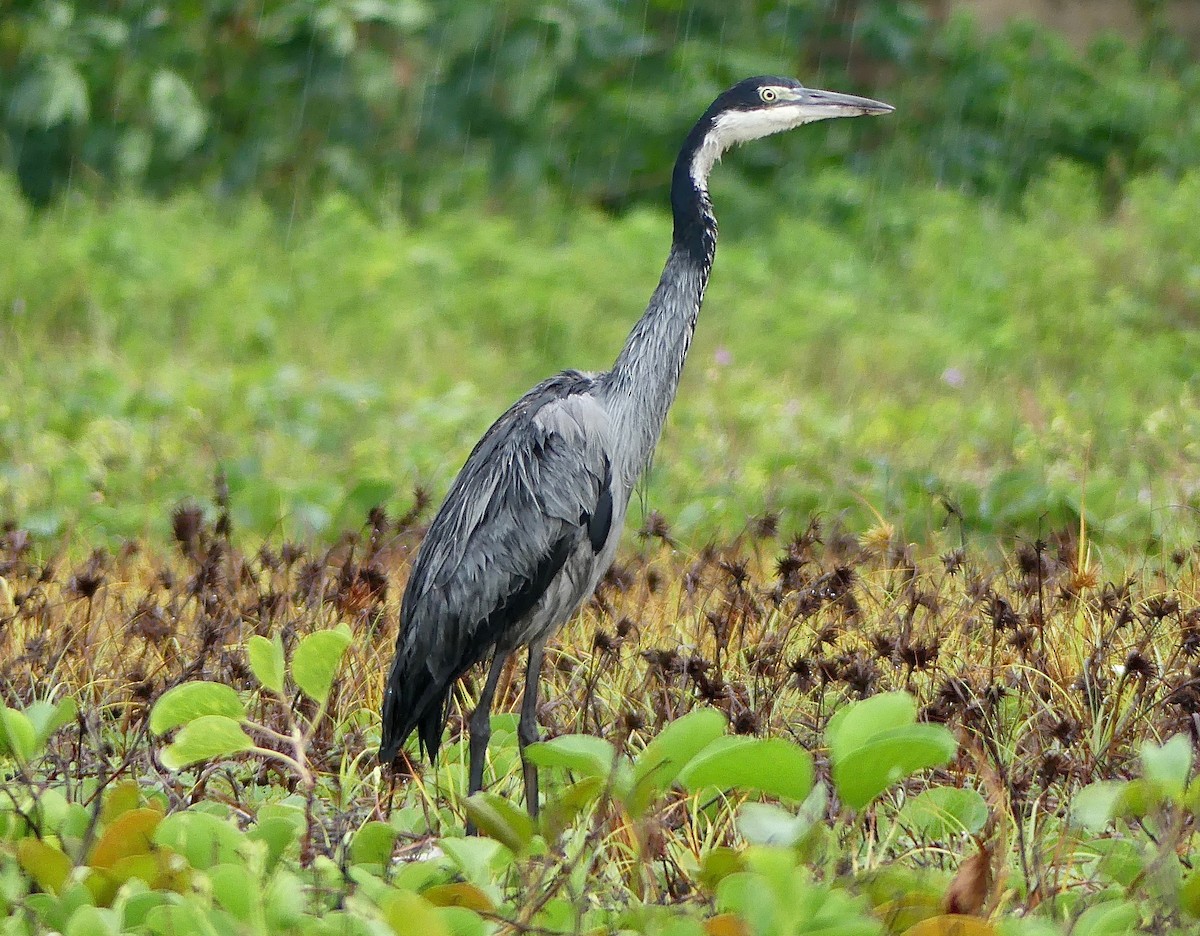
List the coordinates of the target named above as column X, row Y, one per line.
column 536, row 488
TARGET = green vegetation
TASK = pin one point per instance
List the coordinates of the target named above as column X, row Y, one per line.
column 783, row 734
column 893, row 351
column 300, row 254
column 426, row 105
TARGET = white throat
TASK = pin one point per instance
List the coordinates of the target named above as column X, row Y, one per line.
column 733, row 128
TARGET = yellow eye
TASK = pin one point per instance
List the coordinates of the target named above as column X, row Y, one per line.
column 768, row 94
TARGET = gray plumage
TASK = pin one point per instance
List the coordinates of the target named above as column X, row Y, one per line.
column 533, row 519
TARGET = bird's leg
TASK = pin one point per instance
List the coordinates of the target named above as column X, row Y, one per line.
column 527, row 727
column 480, row 725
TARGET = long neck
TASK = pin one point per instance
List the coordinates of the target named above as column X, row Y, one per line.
column 641, row 386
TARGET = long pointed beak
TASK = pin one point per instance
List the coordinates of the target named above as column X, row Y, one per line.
column 833, row 104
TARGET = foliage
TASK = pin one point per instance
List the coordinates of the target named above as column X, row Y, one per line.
column 416, row 102
column 781, row 734
column 878, row 353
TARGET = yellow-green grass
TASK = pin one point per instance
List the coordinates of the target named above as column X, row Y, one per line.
column 871, row 349
column 1052, row 671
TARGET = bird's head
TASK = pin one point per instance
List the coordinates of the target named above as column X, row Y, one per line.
column 759, row 107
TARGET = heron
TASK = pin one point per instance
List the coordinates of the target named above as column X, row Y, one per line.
column 532, row 521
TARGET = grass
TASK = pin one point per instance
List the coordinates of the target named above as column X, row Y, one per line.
column 865, row 351
column 1050, row 677
column 991, row 415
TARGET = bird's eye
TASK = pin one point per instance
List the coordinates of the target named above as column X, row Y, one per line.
column 768, row 94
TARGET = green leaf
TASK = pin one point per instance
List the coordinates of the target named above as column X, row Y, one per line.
column 236, row 890
column 501, row 820
column 204, row 840
column 585, row 755
column 1168, row 766
column 93, row 921
column 373, row 843
column 1114, row 918
column 45, row 864
column 54, row 93
column 853, row 726
column 191, row 700
column 316, row 660
column 408, row 914
column 205, row 738
column 1095, row 806
column 940, row 813
column 480, row 860
column 277, row 833
column 176, row 112
column 17, row 734
column 564, row 808
column 774, row 766
column 656, row 768
column 47, row 718
column 462, row 921
column 1189, row 895
column 888, row 757
column 266, row 662
column 767, row 824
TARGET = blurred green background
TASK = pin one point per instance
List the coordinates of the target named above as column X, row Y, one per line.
column 319, row 245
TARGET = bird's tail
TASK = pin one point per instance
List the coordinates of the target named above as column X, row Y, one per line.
column 414, row 700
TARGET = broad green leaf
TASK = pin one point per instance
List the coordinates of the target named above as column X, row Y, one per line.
column 189, row 918
column 718, row 863
column 53, row 93
column 1189, row 895
column 191, row 700
column 204, row 840
column 1168, row 766
column 656, row 768
column 236, row 890
column 1114, row 918
column 205, row 738
column 478, row 859
column 47, row 717
column 902, row 913
column 373, row 844
column 889, row 757
column 1027, row 926
column 120, row 799
column 774, row 766
column 17, row 734
column 942, row 812
column 767, row 824
column 744, row 894
column 1094, row 807
column 500, row 819
column 176, row 111
column 1121, row 860
column 277, row 833
column 138, row 905
column 852, row 726
column 411, row 915
column 585, row 755
column 563, row 808
column 316, row 660
column 45, row 864
column 93, row 921
column 266, row 662
column 285, row 902
column 463, row 921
